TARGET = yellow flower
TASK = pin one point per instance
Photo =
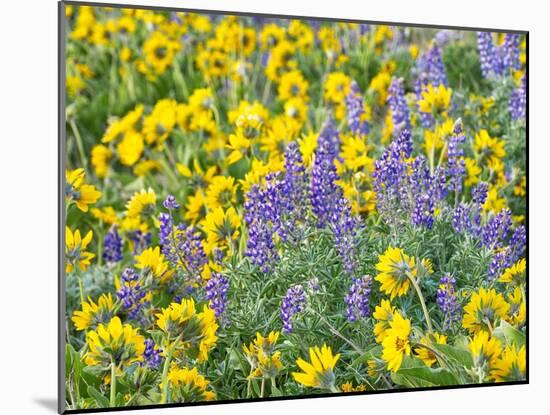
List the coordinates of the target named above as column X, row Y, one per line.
column 77, row 191
column 125, row 54
column 160, row 51
column 264, row 360
column 114, row 343
column 159, row 124
column 395, row 345
column 198, row 177
column 379, row 84
column 130, row 148
column 383, row 314
column 308, row 144
column 151, row 260
column 100, row 159
column 196, row 207
column 188, row 386
column 250, row 119
column 221, row 226
column 202, row 99
column 75, row 250
column 271, row 35
column 75, row 85
column 106, row 214
column 485, row 309
column 515, row 275
column 319, row 373
column 144, row 167
column 425, row 354
column 511, row 365
column 485, row 351
column 142, row 205
column 494, row 203
column 222, row 192
column 435, row 140
column 296, row 109
column 435, row 100
column 520, row 189
column 93, row 314
column 395, row 268
column 293, row 85
column 518, row 312
column 239, row 146
column 488, row 147
column 337, row 87
column 473, row 172
column 192, row 332
column 117, row 128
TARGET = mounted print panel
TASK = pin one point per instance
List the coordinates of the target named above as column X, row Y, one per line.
column 261, row 207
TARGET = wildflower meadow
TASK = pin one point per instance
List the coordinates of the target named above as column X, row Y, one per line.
column 263, row 207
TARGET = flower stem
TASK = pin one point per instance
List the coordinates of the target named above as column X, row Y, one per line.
column 262, row 388
column 112, row 399
column 337, row 333
column 422, row 302
column 166, row 367
column 334, row 389
column 79, row 144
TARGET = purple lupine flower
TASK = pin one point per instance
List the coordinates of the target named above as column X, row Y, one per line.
column 324, row 192
column 260, row 247
column 510, row 51
column 517, row 244
column 487, row 56
column 355, row 109
column 447, row 299
column 431, row 63
column 517, row 104
column 398, row 106
column 166, row 228
column 461, row 218
column 495, row 231
column 293, row 303
column 170, row 203
column 498, row 60
column 182, row 246
column 455, row 163
column 112, row 246
column 499, row 263
column 479, row 193
column 151, row 355
column 427, row 190
column 216, row 293
column 132, row 294
column 140, row 240
column 344, row 227
column 357, row 300
column 293, row 194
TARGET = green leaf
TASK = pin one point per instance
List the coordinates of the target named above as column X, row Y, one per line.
column 101, row 400
column 509, row 334
column 459, row 356
column 424, row 376
column 368, row 355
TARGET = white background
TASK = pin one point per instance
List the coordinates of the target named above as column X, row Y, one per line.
column 28, row 228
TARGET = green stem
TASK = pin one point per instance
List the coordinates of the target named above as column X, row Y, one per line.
column 167, row 361
column 422, row 302
column 262, row 388
column 113, row 385
column 337, row 333
column 81, row 287
column 79, row 144
column 334, row 389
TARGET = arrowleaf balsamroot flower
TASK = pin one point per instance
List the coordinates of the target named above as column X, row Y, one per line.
column 435, row 100
column 485, row 309
column 142, row 205
column 75, row 250
column 114, row 343
column 151, row 260
column 396, row 344
column 187, row 385
column 320, row 372
column 78, row 192
column 485, row 351
column 222, row 227
column 93, row 314
column 192, row 331
column 261, row 355
column 383, row 314
column 511, row 365
column 395, row 270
